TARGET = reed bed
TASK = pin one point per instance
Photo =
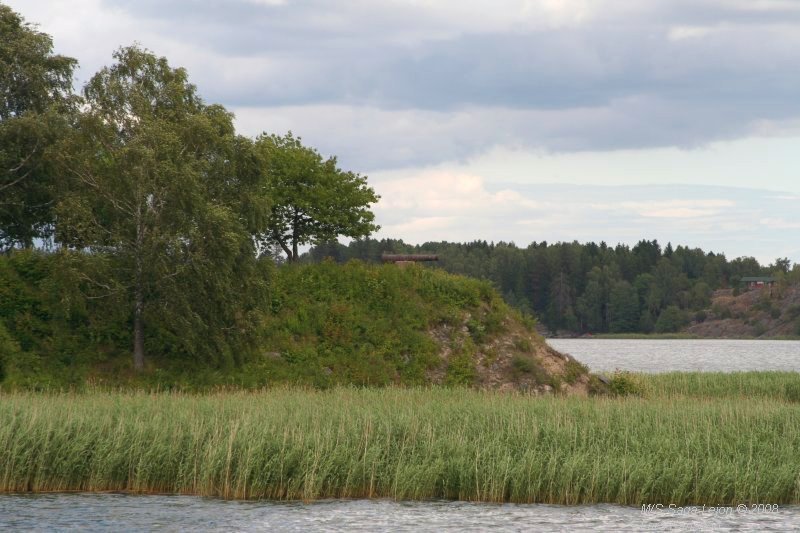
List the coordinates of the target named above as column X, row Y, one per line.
column 404, row 444
column 770, row 384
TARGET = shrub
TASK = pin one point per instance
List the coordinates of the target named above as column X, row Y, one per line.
column 525, row 366
column 574, row 370
column 625, row 383
column 775, row 313
column 523, row 344
column 477, row 331
column 700, row 316
column 461, row 370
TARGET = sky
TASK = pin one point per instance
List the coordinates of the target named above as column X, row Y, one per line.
column 505, row 120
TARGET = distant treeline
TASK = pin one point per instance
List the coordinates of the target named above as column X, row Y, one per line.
column 587, row 287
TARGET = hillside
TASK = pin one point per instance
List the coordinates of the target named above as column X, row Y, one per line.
column 759, row 313
column 383, row 324
column 320, row 325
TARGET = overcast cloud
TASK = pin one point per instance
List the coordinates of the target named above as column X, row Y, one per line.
column 428, row 93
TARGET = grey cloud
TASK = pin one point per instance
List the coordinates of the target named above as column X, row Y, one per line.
column 617, row 81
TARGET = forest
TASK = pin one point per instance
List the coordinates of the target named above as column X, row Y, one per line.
column 587, row 288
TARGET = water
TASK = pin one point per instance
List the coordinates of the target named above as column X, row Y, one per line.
column 646, row 355
column 116, row 512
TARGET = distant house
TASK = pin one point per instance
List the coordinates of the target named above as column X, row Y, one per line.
column 756, row 282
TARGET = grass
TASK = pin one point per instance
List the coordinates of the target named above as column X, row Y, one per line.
column 691, row 440
column 779, row 386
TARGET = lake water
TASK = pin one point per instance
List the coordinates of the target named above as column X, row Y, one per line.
column 639, row 355
column 115, row 512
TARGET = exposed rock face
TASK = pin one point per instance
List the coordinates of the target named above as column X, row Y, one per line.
column 759, row 313
column 516, row 358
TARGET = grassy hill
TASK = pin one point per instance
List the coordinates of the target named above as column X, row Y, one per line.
column 323, row 325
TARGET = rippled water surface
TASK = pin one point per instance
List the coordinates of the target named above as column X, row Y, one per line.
column 685, row 355
column 116, row 512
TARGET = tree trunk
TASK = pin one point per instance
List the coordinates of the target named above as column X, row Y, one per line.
column 138, row 331
column 283, row 246
column 294, row 236
column 138, row 296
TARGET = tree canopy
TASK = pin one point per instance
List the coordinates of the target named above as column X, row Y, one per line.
column 314, row 201
column 151, row 171
column 585, row 287
column 35, row 100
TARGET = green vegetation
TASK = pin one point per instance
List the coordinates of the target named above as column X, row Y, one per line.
column 589, row 287
column 159, row 220
column 415, row 444
column 320, row 325
column 778, row 386
column 313, row 200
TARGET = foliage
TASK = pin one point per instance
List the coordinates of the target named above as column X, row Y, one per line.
column 623, row 308
column 671, row 320
column 579, row 287
column 368, row 324
column 623, row 383
column 150, row 192
column 36, row 89
column 313, row 200
column 574, row 370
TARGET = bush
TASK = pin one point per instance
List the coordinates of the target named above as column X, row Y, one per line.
column 522, row 364
column 523, row 344
column 525, row 366
column 461, row 369
column 624, row 383
column 700, row 316
column 573, row 370
column 721, row 312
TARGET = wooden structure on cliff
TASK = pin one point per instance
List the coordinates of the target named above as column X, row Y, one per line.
column 407, row 259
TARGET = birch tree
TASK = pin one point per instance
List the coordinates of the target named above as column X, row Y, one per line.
column 35, row 101
column 158, row 186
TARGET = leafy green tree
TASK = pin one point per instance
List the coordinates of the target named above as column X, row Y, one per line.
column 35, row 101
column 781, row 264
column 591, row 307
column 671, row 320
column 314, row 201
column 159, row 187
column 623, row 308
column 700, row 295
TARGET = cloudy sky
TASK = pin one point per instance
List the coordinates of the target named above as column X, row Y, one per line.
column 514, row 120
